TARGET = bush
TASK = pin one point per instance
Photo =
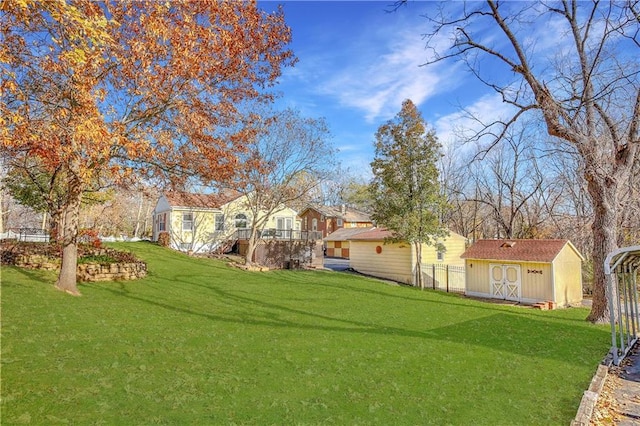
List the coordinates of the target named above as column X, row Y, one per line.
column 164, row 239
column 89, row 236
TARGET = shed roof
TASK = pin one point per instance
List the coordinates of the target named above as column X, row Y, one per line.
column 518, row 250
column 373, row 234
column 344, row 234
column 193, row 200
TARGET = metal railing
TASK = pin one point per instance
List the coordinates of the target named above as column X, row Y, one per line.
column 280, row 234
column 30, row 235
column 623, row 265
column 447, row 278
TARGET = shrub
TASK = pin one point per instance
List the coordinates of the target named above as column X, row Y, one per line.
column 164, row 239
column 89, row 236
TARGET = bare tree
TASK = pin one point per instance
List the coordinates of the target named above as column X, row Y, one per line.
column 288, row 159
column 508, row 185
column 587, row 95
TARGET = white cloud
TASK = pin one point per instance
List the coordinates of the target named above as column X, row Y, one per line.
column 454, row 130
column 383, row 71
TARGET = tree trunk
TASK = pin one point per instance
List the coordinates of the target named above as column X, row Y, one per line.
column 603, row 193
column 251, row 246
column 71, row 214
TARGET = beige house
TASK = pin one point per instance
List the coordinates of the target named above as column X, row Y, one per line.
column 205, row 222
column 527, row 271
column 369, row 255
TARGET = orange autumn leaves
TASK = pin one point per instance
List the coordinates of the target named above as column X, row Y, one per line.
column 96, row 94
column 116, row 85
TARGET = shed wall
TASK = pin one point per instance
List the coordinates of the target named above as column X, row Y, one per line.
column 535, row 284
column 477, row 277
column 393, row 262
column 537, row 281
column 338, row 249
column 568, row 277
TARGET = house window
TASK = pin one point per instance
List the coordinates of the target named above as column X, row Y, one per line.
column 241, row 221
column 187, row 221
column 340, row 222
column 162, row 222
column 440, row 256
column 314, row 224
column 219, row 225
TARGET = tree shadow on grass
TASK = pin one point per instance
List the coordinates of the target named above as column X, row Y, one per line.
column 34, row 275
column 502, row 331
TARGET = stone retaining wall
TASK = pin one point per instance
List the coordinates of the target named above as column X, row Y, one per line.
column 112, row 272
column 86, row 271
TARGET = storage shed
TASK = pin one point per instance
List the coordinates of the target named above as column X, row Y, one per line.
column 370, row 255
column 527, row 271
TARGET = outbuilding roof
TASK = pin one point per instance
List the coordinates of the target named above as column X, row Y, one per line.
column 344, row 234
column 517, row 250
column 193, row 200
column 373, row 234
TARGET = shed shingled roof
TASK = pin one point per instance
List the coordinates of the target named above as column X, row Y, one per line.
column 344, row 234
column 192, row 200
column 374, row 234
column 517, row 250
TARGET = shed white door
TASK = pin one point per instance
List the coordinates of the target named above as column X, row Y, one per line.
column 505, row 281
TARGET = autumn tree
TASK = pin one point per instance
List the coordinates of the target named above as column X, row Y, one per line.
column 289, row 158
column 122, row 90
column 584, row 83
column 405, row 191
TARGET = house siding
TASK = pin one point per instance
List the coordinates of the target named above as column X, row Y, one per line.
column 204, row 236
column 455, row 245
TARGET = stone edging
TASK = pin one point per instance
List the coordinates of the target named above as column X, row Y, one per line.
column 590, row 396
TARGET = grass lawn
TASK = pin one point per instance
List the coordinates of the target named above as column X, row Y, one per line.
column 197, row 342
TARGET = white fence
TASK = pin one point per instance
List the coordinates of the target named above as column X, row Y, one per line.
column 32, row 235
column 447, row 278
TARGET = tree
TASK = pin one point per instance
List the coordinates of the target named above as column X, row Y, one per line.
column 405, row 191
column 289, row 158
column 120, row 90
column 588, row 94
column 508, row 184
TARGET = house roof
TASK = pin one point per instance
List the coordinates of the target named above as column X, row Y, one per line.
column 350, row 214
column 344, row 234
column 192, row 200
column 518, row 250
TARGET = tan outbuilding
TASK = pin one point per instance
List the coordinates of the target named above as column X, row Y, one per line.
column 337, row 243
column 371, row 254
column 526, row 271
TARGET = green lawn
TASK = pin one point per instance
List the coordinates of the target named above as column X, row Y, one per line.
column 197, row 342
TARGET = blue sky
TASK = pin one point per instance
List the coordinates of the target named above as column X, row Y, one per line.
column 358, row 62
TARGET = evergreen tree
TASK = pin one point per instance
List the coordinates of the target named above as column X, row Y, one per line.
column 405, row 190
